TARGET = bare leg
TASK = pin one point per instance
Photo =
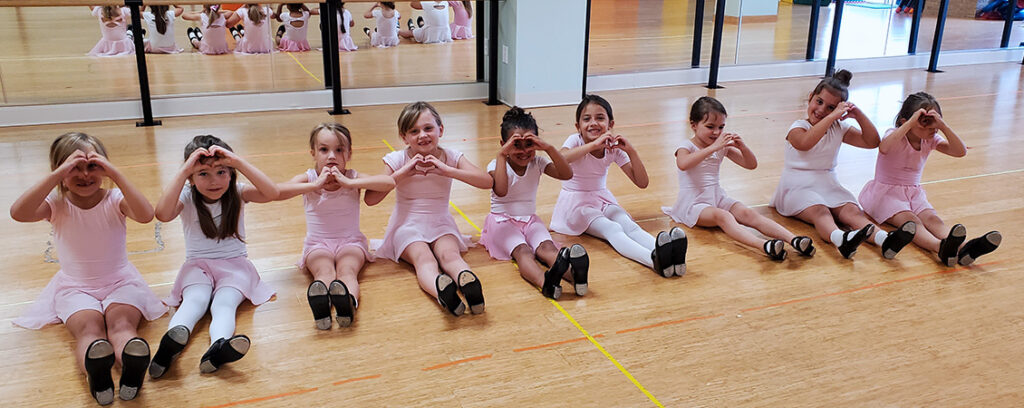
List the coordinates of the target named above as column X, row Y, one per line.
column 747, row 216
column 931, row 221
column 528, row 267
column 86, row 326
column 446, row 249
column 320, row 264
column 923, row 238
column 717, row 217
column 422, row 259
column 350, row 261
column 851, row 215
column 122, row 325
column 821, row 218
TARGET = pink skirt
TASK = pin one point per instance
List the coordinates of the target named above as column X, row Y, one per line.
column 109, row 48
column 237, row 272
column 254, row 45
column 502, row 234
column 575, row 210
column 460, row 32
column 690, row 203
column 406, row 228
column 65, row 295
column 162, row 50
column 293, row 46
column 333, row 246
column 345, row 43
column 882, row 201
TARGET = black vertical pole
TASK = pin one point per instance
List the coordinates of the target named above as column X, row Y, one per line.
column 140, row 63
column 698, row 28
column 940, row 23
column 1010, row 8
column 492, row 63
column 915, row 27
column 833, row 46
column 586, row 50
column 812, row 29
column 716, row 44
column 332, row 48
column 479, row 40
column 324, row 40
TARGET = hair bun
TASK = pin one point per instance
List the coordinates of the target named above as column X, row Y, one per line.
column 513, row 113
column 843, row 76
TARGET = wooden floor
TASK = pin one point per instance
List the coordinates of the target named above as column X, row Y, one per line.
column 737, row 330
column 43, row 59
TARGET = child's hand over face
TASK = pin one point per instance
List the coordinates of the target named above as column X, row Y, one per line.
column 511, row 145
column 537, row 142
column 72, row 164
column 97, row 164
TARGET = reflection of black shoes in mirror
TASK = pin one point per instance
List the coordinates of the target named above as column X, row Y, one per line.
column 411, row 27
column 193, row 37
column 235, row 33
column 280, row 31
column 366, row 30
column 419, row 21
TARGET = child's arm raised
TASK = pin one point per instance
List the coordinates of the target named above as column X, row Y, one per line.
column 465, row 171
column 805, row 139
column 893, row 138
column 178, row 11
column 953, row 145
column 685, row 160
column 635, row 169
column 377, row 182
column 372, row 197
column 277, row 13
column 578, row 152
column 134, row 205
column 31, row 206
column 740, row 154
column 369, row 13
column 299, row 186
column 416, row 5
column 190, row 16
column 867, row 136
column 169, row 206
column 263, row 189
column 500, row 173
column 559, row 167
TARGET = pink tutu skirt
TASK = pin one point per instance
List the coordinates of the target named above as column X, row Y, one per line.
column 237, row 272
column 575, row 210
column 460, row 32
column 689, row 204
column 111, row 48
column 345, row 43
column 333, row 246
column 882, row 201
column 162, row 50
column 256, row 44
column 293, row 46
column 406, row 228
column 502, row 234
column 65, row 295
column 800, row 189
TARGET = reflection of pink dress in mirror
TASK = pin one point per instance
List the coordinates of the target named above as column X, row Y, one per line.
column 115, row 39
column 294, row 38
column 386, row 34
column 215, row 40
column 257, row 34
column 462, row 27
column 345, row 42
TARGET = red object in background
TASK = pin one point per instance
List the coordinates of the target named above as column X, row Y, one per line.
column 231, row 6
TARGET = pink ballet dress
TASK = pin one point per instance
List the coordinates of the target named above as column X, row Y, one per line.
column 699, row 188
column 513, row 220
column 809, row 177
column 217, row 263
column 257, row 38
column 462, row 27
column 897, row 183
column 294, row 38
column 94, row 268
column 421, row 208
column 115, row 39
column 585, row 196
column 161, row 43
column 332, row 220
column 387, row 30
column 215, row 39
column 345, row 42
column 435, row 24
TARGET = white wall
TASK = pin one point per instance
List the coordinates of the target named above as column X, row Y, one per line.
column 544, row 41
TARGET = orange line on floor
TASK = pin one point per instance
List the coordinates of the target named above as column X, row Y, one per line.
column 557, row 343
column 651, row 326
column 451, row 363
column 369, row 377
column 269, row 397
column 871, row 286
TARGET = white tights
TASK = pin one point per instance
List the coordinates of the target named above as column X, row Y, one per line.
column 628, row 239
column 195, row 300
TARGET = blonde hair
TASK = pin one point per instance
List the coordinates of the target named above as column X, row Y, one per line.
column 211, row 14
column 256, row 13
column 108, row 12
column 339, row 131
column 65, row 145
column 407, row 119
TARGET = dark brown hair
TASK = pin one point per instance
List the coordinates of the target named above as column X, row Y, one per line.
column 230, row 202
column 704, row 106
column 837, row 84
column 589, row 99
column 920, row 100
column 517, row 118
column 160, row 17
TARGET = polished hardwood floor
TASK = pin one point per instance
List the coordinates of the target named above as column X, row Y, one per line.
column 737, row 330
